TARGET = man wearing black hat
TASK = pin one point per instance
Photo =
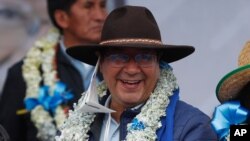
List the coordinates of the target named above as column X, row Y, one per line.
column 139, row 97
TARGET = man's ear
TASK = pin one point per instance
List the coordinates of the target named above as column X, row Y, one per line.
column 62, row 18
column 100, row 65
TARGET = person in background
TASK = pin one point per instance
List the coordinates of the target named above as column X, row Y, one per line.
column 41, row 88
column 139, row 97
column 233, row 93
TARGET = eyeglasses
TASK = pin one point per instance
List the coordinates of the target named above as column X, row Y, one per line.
column 120, row 60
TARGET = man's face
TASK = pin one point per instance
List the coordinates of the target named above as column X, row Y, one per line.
column 85, row 21
column 130, row 82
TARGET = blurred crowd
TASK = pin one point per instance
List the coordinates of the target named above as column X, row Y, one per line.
column 21, row 22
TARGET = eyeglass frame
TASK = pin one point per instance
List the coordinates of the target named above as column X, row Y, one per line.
column 106, row 54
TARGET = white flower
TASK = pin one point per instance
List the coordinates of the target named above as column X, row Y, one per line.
column 42, row 55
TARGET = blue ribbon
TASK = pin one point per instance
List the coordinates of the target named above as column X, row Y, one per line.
column 137, row 125
column 49, row 103
column 229, row 113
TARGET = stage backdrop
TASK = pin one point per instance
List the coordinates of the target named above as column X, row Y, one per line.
column 218, row 29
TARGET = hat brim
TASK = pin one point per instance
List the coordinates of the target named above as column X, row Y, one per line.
column 231, row 84
column 170, row 53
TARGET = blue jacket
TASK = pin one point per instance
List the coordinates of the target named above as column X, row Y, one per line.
column 188, row 124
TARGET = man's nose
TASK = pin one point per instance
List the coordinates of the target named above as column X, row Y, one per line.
column 131, row 67
column 100, row 13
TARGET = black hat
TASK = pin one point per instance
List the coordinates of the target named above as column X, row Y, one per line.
column 134, row 27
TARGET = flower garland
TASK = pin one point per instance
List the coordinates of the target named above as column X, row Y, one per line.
column 42, row 56
column 142, row 128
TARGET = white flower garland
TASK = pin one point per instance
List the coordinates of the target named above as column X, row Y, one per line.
column 43, row 54
column 78, row 124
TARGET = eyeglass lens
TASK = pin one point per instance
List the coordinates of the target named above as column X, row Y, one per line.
column 142, row 59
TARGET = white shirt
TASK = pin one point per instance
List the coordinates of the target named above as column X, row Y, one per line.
column 114, row 133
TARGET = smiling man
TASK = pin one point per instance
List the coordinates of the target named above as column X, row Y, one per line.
column 139, row 87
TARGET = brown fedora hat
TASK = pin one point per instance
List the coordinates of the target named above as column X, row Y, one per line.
column 134, row 27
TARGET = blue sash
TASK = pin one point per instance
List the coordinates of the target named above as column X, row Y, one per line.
column 165, row 133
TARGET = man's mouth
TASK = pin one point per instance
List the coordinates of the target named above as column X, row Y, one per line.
column 131, row 82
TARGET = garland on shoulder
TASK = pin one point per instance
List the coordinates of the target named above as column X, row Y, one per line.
column 142, row 128
column 43, row 101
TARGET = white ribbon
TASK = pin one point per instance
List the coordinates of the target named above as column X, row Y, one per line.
column 90, row 102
